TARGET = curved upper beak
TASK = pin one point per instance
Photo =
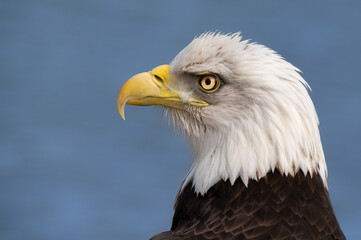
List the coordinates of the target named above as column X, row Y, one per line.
column 152, row 88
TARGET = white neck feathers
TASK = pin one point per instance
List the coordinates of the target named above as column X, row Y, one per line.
column 265, row 119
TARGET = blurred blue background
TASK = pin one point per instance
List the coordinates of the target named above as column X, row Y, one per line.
column 71, row 168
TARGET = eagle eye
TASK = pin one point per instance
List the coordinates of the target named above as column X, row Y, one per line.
column 209, row 83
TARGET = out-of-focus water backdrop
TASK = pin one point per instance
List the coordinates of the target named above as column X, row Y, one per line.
column 71, row 168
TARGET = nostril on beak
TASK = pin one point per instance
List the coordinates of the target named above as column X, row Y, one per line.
column 159, row 79
column 160, row 75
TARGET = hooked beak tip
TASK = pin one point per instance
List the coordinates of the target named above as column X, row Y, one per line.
column 121, row 105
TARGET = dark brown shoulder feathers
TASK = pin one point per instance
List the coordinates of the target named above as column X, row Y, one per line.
column 275, row 207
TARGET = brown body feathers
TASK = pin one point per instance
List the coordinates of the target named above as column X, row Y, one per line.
column 275, row 207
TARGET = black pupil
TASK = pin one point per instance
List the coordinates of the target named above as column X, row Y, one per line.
column 208, row 81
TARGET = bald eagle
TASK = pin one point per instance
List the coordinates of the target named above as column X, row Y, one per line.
column 259, row 170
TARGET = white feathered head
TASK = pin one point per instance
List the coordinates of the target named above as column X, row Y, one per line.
column 244, row 110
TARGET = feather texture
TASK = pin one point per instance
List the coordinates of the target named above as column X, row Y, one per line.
column 262, row 118
column 259, row 170
column 275, row 207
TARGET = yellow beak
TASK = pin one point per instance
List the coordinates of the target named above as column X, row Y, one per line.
column 152, row 88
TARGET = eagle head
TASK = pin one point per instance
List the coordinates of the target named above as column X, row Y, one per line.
column 244, row 110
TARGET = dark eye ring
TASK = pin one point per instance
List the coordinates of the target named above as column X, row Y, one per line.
column 209, row 83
